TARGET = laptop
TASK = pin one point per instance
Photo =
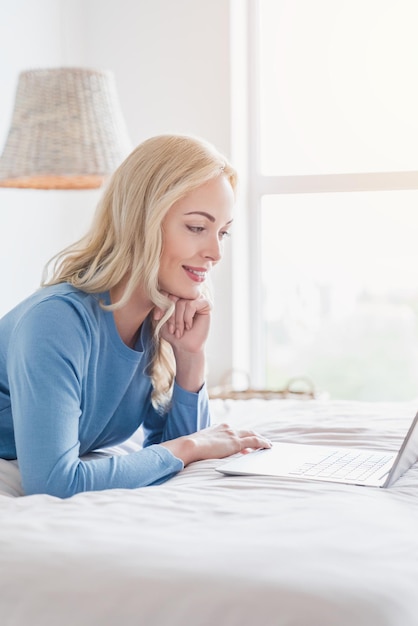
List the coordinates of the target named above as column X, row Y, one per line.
column 355, row 466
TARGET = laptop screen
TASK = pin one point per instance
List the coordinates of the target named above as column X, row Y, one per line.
column 407, row 454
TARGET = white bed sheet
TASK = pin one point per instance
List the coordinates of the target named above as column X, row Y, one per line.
column 213, row 550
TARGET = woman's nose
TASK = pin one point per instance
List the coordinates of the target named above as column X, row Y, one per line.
column 214, row 250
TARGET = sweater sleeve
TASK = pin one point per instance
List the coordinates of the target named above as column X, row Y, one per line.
column 188, row 413
column 46, row 364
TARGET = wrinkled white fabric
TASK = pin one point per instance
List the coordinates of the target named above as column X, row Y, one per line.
column 206, row 549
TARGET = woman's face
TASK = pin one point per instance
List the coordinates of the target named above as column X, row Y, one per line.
column 194, row 231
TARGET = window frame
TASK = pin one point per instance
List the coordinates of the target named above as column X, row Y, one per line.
column 257, row 185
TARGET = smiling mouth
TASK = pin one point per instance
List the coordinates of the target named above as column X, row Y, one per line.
column 196, row 275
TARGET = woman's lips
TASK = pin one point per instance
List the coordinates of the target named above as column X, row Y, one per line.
column 198, row 274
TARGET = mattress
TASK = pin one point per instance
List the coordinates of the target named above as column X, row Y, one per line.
column 208, row 549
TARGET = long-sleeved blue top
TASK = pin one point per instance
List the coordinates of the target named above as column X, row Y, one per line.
column 69, row 385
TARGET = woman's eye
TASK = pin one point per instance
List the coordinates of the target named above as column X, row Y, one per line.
column 224, row 233
column 196, row 229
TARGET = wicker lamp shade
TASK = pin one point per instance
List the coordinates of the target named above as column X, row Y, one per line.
column 67, row 130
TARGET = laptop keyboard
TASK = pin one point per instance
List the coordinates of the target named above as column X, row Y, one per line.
column 344, row 465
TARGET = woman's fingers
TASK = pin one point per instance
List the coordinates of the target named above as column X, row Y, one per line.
column 179, row 318
column 254, row 442
column 244, row 439
column 250, row 439
column 159, row 312
column 216, row 442
column 184, row 314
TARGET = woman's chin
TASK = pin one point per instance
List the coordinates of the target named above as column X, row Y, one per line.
column 187, row 294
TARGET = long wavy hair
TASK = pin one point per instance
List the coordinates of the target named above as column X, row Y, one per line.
column 126, row 238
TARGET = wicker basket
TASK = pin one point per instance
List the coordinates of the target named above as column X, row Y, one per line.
column 298, row 387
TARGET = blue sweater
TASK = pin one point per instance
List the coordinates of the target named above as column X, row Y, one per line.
column 69, row 385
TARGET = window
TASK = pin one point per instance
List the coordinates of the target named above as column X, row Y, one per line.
column 333, row 190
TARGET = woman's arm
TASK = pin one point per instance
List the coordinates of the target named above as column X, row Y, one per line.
column 49, row 356
column 187, row 331
column 188, row 413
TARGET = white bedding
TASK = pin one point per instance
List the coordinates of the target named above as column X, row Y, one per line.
column 211, row 550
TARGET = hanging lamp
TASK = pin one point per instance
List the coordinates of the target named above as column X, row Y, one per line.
column 67, row 130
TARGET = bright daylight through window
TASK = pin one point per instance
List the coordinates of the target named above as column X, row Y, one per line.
column 335, row 128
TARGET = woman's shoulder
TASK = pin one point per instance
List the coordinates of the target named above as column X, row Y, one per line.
column 56, row 304
column 71, row 297
column 55, row 313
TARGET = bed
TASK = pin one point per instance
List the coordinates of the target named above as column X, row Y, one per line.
column 206, row 549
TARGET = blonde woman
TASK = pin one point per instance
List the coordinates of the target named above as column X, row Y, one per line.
column 115, row 337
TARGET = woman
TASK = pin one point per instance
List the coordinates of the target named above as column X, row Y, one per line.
column 115, row 337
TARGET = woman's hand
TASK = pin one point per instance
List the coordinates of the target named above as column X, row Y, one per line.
column 188, row 327
column 186, row 330
column 215, row 442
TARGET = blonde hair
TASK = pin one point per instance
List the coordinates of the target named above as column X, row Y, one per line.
column 125, row 238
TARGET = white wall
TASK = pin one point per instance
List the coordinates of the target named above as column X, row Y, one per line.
column 171, row 60
column 34, row 225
